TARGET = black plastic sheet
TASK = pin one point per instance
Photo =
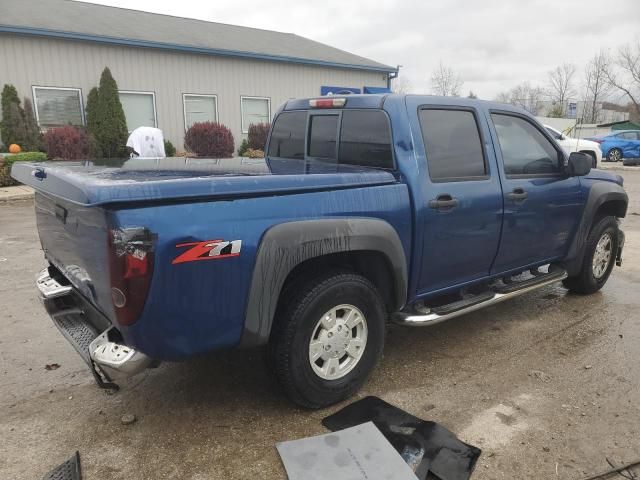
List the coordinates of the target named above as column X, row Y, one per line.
column 431, row 450
column 69, row 470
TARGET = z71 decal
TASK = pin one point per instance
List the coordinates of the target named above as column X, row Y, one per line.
column 208, row 250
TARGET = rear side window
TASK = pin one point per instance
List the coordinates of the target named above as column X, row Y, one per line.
column 287, row 137
column 323, row 133
column 525, row 150
column 365, row 139
column 452, row 143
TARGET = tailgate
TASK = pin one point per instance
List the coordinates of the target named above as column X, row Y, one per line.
column 75, row 240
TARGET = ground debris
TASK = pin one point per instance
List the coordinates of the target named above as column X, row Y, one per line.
column 128, row 419
column 540, row 375
column 52, row 366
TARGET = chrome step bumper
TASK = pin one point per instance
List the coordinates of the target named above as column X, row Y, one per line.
column 414, row 319
column 71, row 315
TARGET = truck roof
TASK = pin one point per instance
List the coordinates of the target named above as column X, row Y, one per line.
column 377, row 100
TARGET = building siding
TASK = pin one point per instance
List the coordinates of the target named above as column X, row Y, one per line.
column 64, row 63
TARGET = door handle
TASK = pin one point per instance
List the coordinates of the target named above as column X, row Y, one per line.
column 518, row 195
column 443, row 202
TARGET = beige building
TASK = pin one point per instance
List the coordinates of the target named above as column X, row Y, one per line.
column 171, row 72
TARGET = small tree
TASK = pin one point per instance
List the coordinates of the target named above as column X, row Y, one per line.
column 107, row 123
column 258, row 133
column 445, row 81
column 68, row 143
column 472, row 95
column 12, row 127
column 33, row 137
column 560, row 87
column 92, row 111
column 597, row 86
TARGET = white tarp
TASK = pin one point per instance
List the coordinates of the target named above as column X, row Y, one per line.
column 147, row 142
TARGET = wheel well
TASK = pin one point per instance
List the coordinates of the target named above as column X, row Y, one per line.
column 370, row 264
column 614, row 208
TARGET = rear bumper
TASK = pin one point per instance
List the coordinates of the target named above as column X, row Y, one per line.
column 91, row 334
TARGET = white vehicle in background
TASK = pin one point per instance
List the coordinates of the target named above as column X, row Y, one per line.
column 577, row 145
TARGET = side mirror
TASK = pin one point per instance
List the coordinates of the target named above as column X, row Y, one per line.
column 579, row 164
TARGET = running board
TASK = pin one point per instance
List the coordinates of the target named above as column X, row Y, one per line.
column 445, row 312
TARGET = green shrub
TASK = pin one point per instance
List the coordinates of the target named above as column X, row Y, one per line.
column 244, row 146
column 12, row 128
column 33, row 137
column 106, row 120
column 169, row 149
column 25, row 157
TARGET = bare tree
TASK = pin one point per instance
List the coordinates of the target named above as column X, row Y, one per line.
column 597, row 86
column 628, row 82
column 560, row 86
column 524, row 96
column 401, row 85
column 445, row 81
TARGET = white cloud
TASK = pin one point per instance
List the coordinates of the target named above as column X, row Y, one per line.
column 493, row 44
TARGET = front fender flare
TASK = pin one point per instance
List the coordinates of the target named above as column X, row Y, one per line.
column 287, row 245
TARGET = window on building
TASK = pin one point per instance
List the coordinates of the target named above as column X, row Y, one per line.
column 525, row 150
column 365, row 139
column 199, row 108
column 323, row 133
column 452, row 144
column 139, row 109
column 287, row 136
column 254, row 110
column 56, row 107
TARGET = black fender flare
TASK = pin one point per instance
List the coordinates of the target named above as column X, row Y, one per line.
column 599, row 194
column 286, row 245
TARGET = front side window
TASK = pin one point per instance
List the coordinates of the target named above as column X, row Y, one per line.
column 525, row 150
column 323, row 133
column 57, row 107
column 365, row 139
column 629, row 136
column 287, row 135
column 139, row 109
column 199, row 108
column 452, row 143
column 254, row 110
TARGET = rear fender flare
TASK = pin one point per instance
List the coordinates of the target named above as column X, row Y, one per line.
column 287, row 245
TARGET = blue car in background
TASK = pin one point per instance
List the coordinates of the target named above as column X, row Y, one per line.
column 620, row 144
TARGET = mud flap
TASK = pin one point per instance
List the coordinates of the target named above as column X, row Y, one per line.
column 69, row 470
column 429, row 448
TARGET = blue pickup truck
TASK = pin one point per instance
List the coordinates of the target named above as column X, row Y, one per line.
column 412, row 209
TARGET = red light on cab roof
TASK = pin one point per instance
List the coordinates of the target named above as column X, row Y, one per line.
column 327, row 102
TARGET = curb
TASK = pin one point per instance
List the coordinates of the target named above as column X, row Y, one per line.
column 16, row 198
column 623, row 168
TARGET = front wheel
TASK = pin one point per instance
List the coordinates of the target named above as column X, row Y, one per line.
column 614, row 155
column 599, row 258
column 327, row 338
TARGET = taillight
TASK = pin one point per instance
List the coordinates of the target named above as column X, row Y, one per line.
column 327, row 102
column 130, row 269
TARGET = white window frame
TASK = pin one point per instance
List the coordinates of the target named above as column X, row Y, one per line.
column 184, row 105
column 142, row 92
column 35, row 101
column 242, row 97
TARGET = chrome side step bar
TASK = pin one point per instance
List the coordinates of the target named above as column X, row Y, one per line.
column 414, row 319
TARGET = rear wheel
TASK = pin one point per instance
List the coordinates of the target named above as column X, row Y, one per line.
column 599, row 258
column 614, row 155
column 327, row 338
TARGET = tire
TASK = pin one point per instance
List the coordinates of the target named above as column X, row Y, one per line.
column 614, row 155
column 299, row 320
column 589, row 279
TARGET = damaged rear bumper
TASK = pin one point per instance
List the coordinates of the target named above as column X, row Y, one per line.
column 91, row 334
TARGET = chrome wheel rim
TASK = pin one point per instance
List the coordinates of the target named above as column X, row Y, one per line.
column 338, row 342
column 602, row 256
column 614, row 155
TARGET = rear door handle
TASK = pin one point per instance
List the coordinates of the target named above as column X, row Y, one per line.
column 443, row 202
column 518, row 195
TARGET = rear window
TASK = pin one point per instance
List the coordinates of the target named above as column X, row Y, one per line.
column 365, row 139
column 323, row 132
column 287, row 137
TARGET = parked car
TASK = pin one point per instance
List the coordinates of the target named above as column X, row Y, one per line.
column 570, row 145
column 412, row 208
column 619, row 144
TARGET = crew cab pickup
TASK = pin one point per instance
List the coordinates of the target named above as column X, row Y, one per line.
column 367, row 208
